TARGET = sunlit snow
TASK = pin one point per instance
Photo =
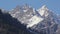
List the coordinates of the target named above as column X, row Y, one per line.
column 43, row 11
column 25, row 10
column 34, row 20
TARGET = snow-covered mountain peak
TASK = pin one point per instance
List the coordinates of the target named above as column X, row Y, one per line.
column 37, row 20
column 44, row 7
column 43, row 11
column 25, row 6
column 23, row 13
column 22, row 7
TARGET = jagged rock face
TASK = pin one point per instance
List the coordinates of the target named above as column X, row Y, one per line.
column 22, row 14
column 41, row 21
column 37, row 20
column 47, row 26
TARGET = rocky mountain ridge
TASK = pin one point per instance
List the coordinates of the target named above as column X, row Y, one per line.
column 41, row 21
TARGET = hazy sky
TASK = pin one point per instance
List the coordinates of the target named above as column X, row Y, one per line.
column 53, row 5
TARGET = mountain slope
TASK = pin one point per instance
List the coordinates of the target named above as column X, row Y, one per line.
column 10, row 25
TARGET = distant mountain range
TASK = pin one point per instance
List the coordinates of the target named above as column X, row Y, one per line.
column 27, row 20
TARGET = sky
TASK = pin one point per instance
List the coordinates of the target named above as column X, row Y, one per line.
column 53, row 5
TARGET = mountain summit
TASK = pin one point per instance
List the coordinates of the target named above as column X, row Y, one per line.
column 44, row 11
